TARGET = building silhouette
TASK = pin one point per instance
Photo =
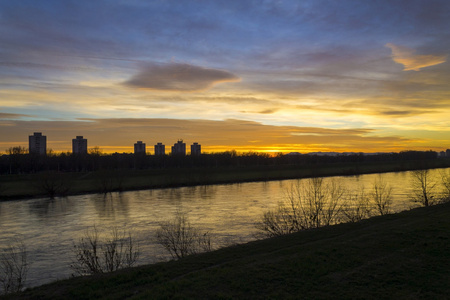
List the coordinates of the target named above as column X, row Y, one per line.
column 79, row 145
column 139, row 147
column 160, row 149
column 196, row 149
column 179, row 148
column 37, row 143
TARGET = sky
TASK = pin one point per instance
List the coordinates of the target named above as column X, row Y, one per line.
column 275, row 76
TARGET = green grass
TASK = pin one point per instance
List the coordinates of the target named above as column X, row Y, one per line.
column 27, row 186
column 400, row 256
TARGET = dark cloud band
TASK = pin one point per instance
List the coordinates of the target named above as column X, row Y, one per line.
column 179, row 77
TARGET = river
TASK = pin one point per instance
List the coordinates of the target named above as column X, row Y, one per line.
column 229, row 212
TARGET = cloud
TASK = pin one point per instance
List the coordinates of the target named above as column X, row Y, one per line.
column 179, row 77
column 269, row 111
column 410, row 61
column 8, row 116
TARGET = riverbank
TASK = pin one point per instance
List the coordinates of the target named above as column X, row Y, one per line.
column 49, row 184
column 399, row 256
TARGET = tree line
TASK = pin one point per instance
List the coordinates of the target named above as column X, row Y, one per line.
column 17, row 160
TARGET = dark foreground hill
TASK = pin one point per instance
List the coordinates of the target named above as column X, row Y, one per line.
column 401, row 256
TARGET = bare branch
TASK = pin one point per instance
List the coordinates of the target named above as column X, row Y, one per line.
column 14, row 266
column 96, row 253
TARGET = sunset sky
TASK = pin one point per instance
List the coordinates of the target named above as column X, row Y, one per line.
column 276, row 76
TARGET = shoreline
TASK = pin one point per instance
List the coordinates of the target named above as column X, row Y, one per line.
column 53, row 184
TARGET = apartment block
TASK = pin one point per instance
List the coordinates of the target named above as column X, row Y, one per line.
column 196, row 149
column 37, row 143
column 139, row 147
column 160, row 149
column 179, row 148
column 79, row 145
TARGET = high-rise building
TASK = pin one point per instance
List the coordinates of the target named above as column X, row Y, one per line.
column 160, row 149
column 79, row 145
column 37, row 143
column 139, row 148
column 196, row 149
column 179, row 148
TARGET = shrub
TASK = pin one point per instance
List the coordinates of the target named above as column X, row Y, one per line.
column 423, row 188
column 180, row 239
column 381, row 196
column 96, row 253
column 14, row 266
column 309, row 204
column 357, row 207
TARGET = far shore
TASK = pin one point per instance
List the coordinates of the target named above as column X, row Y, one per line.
column 58, row 184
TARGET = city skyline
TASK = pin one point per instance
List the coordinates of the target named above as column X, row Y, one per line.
column 37, row 143
column 80, row 145
column 264, row 76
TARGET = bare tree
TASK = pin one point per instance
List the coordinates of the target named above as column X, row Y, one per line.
column 423, row 188
column 16, row 150
column 332, row 203
column 108, row 181
column 309, row 204
column 445, row 177
column 381, row 196
column 14, row 266
column 16, row 158
column 180, row 239
column 357, row 207
column 96, row 253
column 53, row 184
column 282, row 220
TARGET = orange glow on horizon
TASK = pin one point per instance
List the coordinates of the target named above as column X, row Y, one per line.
column 273, row 151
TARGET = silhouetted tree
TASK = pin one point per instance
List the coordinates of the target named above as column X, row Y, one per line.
column 310, row 204
column 356, row 207
column 381, row 196
column 445, row 177
column 14, row 266
column 96, row 253
column 423, row 187
column 53, row 183
column 16, row 156
column 180, row 239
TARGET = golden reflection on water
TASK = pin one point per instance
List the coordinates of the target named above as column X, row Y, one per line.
column 229, row 212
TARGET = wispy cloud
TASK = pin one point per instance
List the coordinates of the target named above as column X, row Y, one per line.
column 411, row 61
column 8, row 116
column 179, row 77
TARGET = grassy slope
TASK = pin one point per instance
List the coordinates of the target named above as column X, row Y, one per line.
column 404, row 256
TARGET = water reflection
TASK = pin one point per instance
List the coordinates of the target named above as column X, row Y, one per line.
column 229, row 212
column 111, row 205
column 52, row 208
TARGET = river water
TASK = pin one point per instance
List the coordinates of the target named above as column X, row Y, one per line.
column 229, row 212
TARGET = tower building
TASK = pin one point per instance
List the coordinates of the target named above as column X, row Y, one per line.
column 179, row 148
column 139, row 147
column 79, row 145
column 196, row 149
column 160, row 149
column 37, row 143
